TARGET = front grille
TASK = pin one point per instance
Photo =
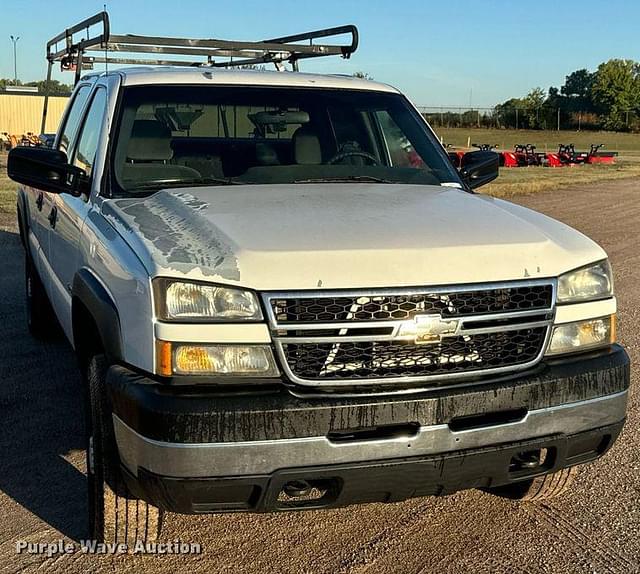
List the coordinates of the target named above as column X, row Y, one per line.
column 410, row 335
column 398, row 307
column 366, row 360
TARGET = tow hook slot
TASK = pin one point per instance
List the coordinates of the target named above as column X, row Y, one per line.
column 297, row 489
column 531, row 460
column 472, row 422
column 312, row 493
column 381, row 432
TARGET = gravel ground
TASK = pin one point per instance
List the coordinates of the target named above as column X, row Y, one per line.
column 594, row 529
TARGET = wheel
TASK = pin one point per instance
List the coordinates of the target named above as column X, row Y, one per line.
column 115, row 515
column 539, row 488
column 40, row 318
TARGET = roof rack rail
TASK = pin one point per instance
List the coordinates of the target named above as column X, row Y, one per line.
column 101, row 46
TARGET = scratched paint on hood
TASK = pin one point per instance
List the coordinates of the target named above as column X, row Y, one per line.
column 179, row 238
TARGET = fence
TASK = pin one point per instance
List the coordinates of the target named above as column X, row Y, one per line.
column 543, row 117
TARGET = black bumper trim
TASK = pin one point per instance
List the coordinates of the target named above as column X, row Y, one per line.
column 376, row 481
column 165, row 413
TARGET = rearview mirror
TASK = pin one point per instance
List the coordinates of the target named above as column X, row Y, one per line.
column 478, row 168
column 46, row 169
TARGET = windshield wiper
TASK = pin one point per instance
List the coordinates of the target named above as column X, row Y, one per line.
column 346, row 179
column 182, row 183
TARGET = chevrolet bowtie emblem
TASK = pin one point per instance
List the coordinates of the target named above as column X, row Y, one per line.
column 428, row 328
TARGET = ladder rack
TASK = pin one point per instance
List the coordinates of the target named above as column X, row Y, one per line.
column 78, row 48
column 105, row 47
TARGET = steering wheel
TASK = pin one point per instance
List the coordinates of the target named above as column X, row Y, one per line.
column 353, row 153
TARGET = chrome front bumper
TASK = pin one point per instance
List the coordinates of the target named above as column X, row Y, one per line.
column 236, row 459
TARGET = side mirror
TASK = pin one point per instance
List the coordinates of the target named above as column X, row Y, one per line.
column 478, row 168
column 46, row 169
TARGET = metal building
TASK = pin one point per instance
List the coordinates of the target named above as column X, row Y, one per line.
column 22, row 112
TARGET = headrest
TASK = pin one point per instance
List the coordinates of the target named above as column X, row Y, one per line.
column 306, row 146
column 266, row 155
column 150, row 140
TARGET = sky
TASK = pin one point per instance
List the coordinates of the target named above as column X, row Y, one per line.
column 448, row 53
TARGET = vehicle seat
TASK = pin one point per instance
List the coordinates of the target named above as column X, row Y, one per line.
column 148, row 154
column 306, row 147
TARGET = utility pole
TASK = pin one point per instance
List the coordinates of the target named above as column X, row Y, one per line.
column 15, row 59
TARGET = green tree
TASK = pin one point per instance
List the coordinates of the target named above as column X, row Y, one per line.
column 616, row 91
column 362, row 75
column 4, row 82
column 578, row 83
column 577, row 92
column 533, row 104
column 56, row 88
column 505, row 114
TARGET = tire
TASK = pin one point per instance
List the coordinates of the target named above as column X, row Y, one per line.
column 540, row 488
column 40, row 319
column 115, row 515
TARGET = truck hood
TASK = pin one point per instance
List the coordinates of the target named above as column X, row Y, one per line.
column 308, row 236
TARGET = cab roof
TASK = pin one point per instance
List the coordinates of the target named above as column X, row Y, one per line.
column 145, row 75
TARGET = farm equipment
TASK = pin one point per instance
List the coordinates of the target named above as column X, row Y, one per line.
column 9, row 141
column 30, row 140
column 525, row 155
column 595, row 156
column 485, row 147
column 5, row 141
column 521, row 156
column 508, row 159
column 568, row 156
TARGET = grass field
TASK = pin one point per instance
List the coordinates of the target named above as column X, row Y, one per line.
column 512, row 181
column 522, row 180
column 626, row 144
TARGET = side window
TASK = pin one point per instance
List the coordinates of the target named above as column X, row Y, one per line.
column 85, row 154
column 73, row 119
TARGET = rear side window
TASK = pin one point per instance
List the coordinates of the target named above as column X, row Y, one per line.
column 73, row 119
column 85, row 154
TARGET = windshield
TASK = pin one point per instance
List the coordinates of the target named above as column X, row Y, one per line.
column 189, row 135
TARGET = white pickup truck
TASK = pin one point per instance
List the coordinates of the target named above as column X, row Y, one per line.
column 283, row 296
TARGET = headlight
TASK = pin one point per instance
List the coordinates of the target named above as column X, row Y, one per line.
column 591, row 282
column 215, row 359
column 582, row 335
column 184, row 301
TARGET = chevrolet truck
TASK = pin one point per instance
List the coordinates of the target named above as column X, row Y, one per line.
column 283, row 296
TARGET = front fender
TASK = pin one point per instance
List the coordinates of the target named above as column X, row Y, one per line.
column 88, row 291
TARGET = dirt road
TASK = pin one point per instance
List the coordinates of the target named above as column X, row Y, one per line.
column 596, row 528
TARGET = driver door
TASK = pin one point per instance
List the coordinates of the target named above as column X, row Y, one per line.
column 71, row 211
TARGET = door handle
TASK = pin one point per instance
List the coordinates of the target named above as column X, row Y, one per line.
column 40, row 201
column 53, row 217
